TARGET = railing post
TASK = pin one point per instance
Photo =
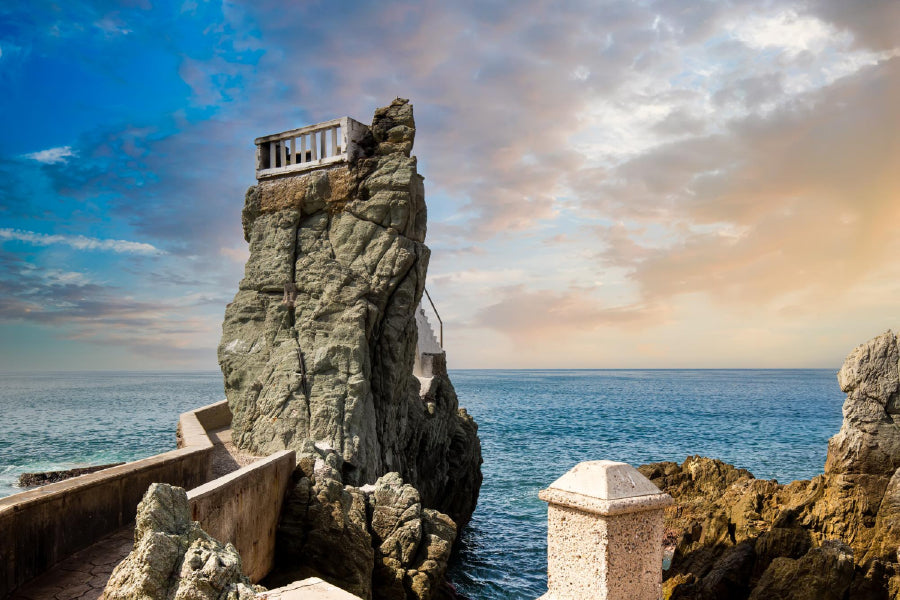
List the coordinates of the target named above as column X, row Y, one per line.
column 604, row 534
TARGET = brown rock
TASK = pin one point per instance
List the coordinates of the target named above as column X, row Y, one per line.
column 45, row 477
column 823, row 573
column 804, row 535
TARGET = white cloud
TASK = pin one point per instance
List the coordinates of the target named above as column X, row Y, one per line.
column 111, row 26
column 57, row 277
column 52, row 156
column 786, row 30
column 581, row 73
column 78, row 242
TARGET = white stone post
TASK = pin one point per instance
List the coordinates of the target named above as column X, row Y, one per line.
column 604, row 534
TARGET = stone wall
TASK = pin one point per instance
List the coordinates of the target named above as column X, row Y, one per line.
column 45, row 525
column 243, row 508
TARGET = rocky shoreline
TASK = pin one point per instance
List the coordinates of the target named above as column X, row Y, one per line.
column 46, row 477
column 834, row 536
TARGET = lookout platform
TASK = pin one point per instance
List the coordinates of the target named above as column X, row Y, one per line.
column 309, row 147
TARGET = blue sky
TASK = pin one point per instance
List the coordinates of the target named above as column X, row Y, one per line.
column 610, row 184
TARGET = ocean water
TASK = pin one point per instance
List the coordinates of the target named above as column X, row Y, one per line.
column 534, row 426
column 53, row 421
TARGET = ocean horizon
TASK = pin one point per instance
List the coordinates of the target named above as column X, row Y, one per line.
column 534, row 425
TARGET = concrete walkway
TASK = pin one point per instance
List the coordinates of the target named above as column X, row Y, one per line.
column 84, row 574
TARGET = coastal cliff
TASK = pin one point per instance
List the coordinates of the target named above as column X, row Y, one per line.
column 835, row 536
column 321, row 354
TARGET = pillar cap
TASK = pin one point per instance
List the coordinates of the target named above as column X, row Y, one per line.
column 605, row 487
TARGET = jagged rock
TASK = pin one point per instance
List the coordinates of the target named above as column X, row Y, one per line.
column 375, row 542
column 324, row 529
column 805, row 535
column 728, row 578
column 394, row 129
column 869, row 439
column 823, row 573
column 174, row 559
column 320, row 341
column 412, row 544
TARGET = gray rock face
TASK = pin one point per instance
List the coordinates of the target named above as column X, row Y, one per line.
column 412, row 544
column 174, row 559
column 375, row 542
column 869, row 439
column 320, row 341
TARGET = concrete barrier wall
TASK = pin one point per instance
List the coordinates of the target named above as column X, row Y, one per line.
column 38, row 528
column 243, row 508
column 214, row 416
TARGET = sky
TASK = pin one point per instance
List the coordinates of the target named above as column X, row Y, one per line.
column 610, row 184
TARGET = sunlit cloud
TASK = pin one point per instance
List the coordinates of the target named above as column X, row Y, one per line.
column 608, row 182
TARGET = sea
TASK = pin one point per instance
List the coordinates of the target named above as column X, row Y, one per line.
column 534, row 425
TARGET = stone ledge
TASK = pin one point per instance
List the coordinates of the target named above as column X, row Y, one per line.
column 307, row 589
column 600, row 506
column 605, row 487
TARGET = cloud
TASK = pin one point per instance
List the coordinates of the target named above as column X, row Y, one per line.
column 111, row 25
column 52, row 156
column 786, row 31
column 78, row 242
column 511, row 100
column 737, row 153
column 528, row 316
column 804, row 200
column 76, row 308
column 874, row 23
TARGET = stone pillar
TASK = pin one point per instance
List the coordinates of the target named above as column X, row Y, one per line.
column 604, row 534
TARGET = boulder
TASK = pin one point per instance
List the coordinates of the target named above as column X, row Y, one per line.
column 823, row 573
column 412, row 544
column 375, row 542
column 869, row 439
column 174, row 559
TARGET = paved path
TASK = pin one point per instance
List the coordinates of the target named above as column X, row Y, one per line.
column 84, row 574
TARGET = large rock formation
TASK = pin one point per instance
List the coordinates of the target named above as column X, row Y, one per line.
column 325, row 351
column 320, row 342
column 836, row 536
column 174, row 559
column 377, row 541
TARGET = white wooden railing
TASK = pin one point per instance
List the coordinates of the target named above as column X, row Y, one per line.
column 308, row 147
